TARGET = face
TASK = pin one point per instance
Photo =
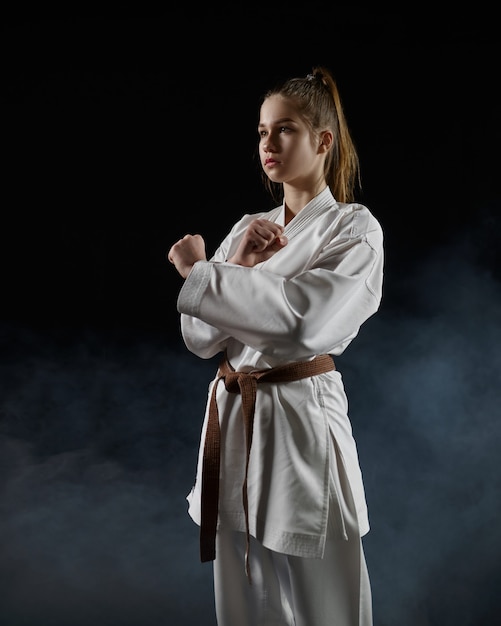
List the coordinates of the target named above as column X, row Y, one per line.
column 288, row 151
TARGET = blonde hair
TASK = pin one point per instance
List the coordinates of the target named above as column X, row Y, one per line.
column 318, row 102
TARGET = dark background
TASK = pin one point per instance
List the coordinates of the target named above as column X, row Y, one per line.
column 120, row 135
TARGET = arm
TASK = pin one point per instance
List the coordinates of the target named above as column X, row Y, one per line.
column 319, row 310
column 259, row 242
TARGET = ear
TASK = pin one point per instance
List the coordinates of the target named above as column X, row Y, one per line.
column 326, row 139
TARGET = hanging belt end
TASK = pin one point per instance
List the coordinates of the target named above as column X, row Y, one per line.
column 207, row 551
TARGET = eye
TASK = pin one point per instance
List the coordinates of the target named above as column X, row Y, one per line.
column 262, row 133
column 284, row 129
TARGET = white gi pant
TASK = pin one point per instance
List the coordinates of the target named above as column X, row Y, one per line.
column 290, row 590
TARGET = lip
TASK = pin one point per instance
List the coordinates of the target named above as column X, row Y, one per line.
column 270, row 161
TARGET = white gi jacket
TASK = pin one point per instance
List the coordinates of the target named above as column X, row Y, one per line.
column 310, row 298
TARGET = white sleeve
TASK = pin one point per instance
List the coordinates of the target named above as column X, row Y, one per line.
column 201, row 338
column 317, row 311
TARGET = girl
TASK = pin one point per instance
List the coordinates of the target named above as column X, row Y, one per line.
column 279, row 495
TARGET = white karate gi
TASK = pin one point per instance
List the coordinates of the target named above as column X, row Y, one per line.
column 310, row 298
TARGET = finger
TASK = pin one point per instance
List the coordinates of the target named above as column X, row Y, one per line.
column 264, row 237
column 279, row 243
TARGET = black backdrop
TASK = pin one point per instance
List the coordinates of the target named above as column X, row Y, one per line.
column 119, row 136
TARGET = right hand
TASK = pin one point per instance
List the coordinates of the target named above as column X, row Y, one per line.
column 186, row 252
column 261, row 240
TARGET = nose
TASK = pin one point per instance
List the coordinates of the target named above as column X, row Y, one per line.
column 268, row 145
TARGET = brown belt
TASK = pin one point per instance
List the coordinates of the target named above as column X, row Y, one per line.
column 245, row 384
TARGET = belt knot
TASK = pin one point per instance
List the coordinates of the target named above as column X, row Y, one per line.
column 235, row 381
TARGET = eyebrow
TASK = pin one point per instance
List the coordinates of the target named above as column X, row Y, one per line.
column 277, row 122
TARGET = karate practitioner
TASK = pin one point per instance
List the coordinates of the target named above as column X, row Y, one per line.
column 279, row 494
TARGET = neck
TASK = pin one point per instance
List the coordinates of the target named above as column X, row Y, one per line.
column 296, row 199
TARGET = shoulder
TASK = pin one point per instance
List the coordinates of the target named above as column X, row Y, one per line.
column 357, row 219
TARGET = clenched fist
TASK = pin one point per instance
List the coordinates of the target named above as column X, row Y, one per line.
column 186, row 252
column 261, row 241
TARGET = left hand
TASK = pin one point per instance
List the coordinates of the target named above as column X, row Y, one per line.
column 261, row 240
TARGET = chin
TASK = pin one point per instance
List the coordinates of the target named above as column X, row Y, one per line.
column 274, row 177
